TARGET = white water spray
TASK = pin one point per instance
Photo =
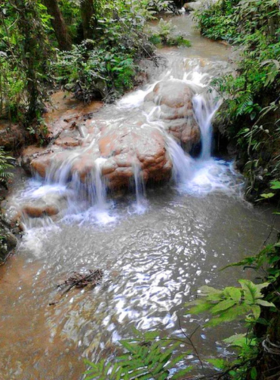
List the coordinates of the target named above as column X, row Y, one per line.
column 204, row 110
column 141, row 201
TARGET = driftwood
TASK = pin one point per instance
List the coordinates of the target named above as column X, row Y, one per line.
column 79, row 281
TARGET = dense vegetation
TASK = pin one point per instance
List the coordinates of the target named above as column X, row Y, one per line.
column 90, row 47
column 251, row 109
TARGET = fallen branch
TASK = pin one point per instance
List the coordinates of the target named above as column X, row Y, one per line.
column 79, row 281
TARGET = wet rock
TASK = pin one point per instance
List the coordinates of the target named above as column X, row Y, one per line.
column 50, row 159
column 84, row 165
column 176, row 110
column 120, row 150
column 67, row 142
column 41, row 164
column 29, row 154
column 66, row 113
column 12, row 136
column 127, row 149
column 8, row 241
column 39, row 211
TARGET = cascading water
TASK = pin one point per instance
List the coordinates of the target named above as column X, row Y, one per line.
column 204, row 115
column 141, row 202
column 86, row 199
column 153, row 261
column 99, row 185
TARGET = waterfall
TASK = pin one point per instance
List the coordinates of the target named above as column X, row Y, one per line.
column 141, row 202
column 205, row 108
column 100, row 187
column 75, row 180
column 182, row 162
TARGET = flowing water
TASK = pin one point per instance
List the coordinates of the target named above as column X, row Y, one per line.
column 156, row 246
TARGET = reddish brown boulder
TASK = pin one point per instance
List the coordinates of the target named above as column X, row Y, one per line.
column 126, row 149
column 41, row 164
column 116, row 151
column 32, row 153
column 67, row 142
column 65, row 113
column 176, row 110
column 39, row 211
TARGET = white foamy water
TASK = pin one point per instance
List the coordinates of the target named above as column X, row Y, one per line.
column 87, row 202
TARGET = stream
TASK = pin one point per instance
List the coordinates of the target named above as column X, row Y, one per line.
column 156, row 245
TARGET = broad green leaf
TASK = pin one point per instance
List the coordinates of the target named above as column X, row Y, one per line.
column 238, row 340
column 208, row 290
column 218, row 363
column 275, row 185
column 201, row 305
column 265, row 303
column 250, row 291
column 254, row 373
column 234, row 293
column 221, row 306
column 267, row 195
column 234, row 313
column 256, row 311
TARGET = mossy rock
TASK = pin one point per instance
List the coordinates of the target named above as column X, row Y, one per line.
column 8, row 241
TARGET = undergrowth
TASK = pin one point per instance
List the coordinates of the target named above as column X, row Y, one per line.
column 251, row 109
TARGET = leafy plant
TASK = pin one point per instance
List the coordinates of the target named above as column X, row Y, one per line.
column 146, row 357
column 5, row 166
column 230, row 303
column 251, row 106
column 165, row 35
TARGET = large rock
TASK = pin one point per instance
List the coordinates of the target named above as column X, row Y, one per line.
column 64, row 113
column 12, row 136
column 30, row 154
column 8, row 241
column 88, row 146
column 118, row 152
column 174, row 97
column 126, row 150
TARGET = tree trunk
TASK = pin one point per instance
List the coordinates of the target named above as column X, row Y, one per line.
column 87, row 12
column 58, row 24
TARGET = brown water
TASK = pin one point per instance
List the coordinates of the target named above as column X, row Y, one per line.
column 153, row 263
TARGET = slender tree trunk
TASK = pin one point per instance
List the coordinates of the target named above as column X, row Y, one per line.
column 58, row 24
column 87, row 12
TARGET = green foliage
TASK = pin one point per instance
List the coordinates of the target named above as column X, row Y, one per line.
column 146, row 357
column 251, row 95
column 94, row 73
column 105, row 67
column 266, row 262
column 247, row 347
column 5, row 166
column 231, row 303
column 24, row 48
column 165, row 35
column 218, row 21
